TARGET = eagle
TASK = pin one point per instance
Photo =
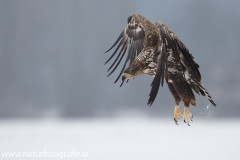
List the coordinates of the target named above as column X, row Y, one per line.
column 156, row 51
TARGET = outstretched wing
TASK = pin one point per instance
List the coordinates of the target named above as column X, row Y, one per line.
column 180, row 50
column 168, row 40
column 131, row 41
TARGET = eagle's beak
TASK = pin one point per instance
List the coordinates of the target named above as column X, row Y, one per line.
column 123, row 78
column 126, row 76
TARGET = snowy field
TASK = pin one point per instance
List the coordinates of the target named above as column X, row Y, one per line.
column 141, row 138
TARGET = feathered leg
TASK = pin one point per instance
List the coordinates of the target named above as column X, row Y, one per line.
column 177, row 99
column 184, row 91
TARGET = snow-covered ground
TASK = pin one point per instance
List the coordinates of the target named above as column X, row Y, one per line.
column 141, row 138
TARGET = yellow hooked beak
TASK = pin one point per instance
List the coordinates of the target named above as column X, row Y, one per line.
column 126, row 76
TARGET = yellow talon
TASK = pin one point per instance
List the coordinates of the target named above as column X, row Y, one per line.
column 176, row 113
column 187, row 116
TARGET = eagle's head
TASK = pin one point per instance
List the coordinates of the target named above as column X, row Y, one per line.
column 134, row 70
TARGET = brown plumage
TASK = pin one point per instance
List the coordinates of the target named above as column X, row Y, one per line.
column 155, row 50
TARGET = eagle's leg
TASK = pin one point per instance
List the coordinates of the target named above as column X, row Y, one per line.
column 176, row 113
column 184, row 90
column 177, row 99
column 187, row 116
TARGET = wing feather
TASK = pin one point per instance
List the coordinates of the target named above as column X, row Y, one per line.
column 120, row 44
column 179, row 48
column 124, row 48
column 120, row 37
column 162, row 68
column 131, row 39
column 169, row 40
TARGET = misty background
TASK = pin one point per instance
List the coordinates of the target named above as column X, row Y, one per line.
column 52, row 57
column 55, row 94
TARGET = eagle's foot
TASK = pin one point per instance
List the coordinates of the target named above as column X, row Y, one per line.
column 176, row 113
column 187, row 116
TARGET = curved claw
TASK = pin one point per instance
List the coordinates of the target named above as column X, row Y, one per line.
column 176, row 112
column 175, row 121
column 187, row 116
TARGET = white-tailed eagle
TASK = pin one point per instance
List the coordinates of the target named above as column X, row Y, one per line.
column 156, row 51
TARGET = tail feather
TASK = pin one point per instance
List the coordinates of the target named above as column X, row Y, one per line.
column 202, row 90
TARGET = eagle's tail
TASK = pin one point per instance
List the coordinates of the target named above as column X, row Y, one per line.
column 198, row 87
